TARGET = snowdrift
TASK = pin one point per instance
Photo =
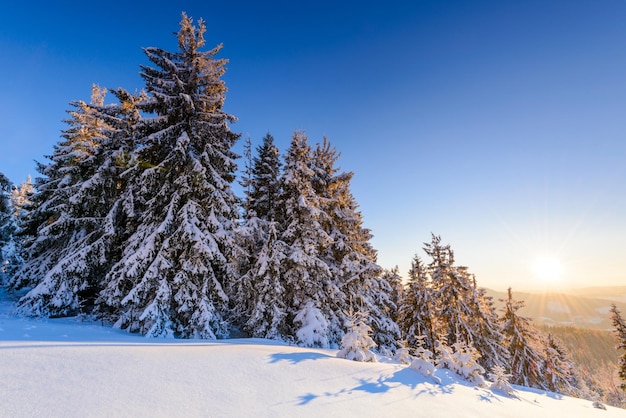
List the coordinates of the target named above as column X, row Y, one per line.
column 67, row 368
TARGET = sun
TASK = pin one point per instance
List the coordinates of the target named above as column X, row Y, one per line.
column 547, row 269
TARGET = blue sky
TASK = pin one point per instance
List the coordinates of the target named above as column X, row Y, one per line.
column 498, row 125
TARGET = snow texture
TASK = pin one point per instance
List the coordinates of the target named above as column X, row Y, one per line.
column 68, row 368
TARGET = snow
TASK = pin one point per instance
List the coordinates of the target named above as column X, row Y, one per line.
column 68, row 368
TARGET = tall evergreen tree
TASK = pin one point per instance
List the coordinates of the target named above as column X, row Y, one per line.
column 620, row 333
column 558, row 368
column 463, row 313
column 265, row 182
column 394, row 280
column 7, row 224
column 417, row 316
column 258, row 237
column 246, row 177
column 264, row 306
column 487, row 336
column 522, row 343
column 9, row 258
column 311, row 294
column 59, row 219
column 350, row 256
column 451, row 286
column 21, row 198
column 74, row 281
column 176, row 264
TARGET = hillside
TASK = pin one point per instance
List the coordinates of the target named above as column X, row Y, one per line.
column 68, row 368
column 584, row 308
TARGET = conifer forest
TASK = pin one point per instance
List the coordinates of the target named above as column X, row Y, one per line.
column 133, row 221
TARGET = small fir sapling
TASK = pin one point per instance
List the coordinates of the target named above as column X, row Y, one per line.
column 461, row 359
column 403, row 356
column 423, row 361
column 500, row 381
column 356, row 343
column 465, row 359
column 314, row 327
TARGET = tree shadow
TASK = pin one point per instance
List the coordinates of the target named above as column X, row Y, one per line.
column 295, row 358
column 384, row 384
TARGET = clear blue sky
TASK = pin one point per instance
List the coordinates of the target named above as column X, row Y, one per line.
column 499, row 125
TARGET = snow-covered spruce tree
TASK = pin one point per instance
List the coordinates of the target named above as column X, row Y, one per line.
column 261, row 187
column 521, row 340
column 267, row 311
column 417, row 311
column 385, row 331
column 620, row 332
column 310, row 293
column 558, row 368
column 9, row 256
column 464, row 362
column 394, row 281
column 350, row 256
column 403, row 353
column 450, row 288
column 6, row 213
column 21, row 205
column 246, row 177
column 265, row 181
column 487, row 336
column 462, row 311
column 424, row 361
column 175, row 267
column 500, row 381
column 249, row 236
column 74, row 281
column 58, row 220
column 357, row 343
column 21, row 199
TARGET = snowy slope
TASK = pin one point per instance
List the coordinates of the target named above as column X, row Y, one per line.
column 65, row 368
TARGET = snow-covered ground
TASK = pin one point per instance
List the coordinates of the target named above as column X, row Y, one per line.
column 68, row 368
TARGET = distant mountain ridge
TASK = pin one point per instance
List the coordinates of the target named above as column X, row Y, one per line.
column 584, row 307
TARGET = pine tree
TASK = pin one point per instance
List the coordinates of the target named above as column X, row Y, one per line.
column 21, row 199
column 394, row 280
column 258, row 236
column 424, row 361
column 500, row 381
column 9, row 256
column 558, row 368
column 417, row 311
column 265, row 181
column 357, row 343
column 521, row 341
column 61, row 221
column 7, row 224
column 313, row 329
column 403, row 354
column 350, row 257
column 246, row 178
column 310, row 293
column 463, row 313
column 465, row 359
column 620, row 333
column 449, row 290
column 263, row 303
column 177, row 263
column 452, row 291
column 74, row 280
column 486, row 335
